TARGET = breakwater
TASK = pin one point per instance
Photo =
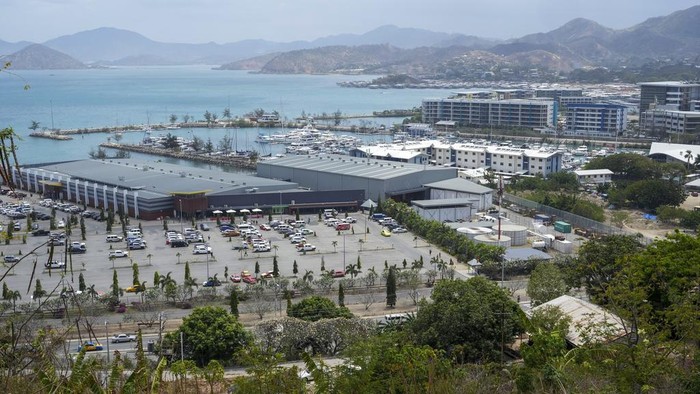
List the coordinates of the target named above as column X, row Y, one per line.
column 235, row 161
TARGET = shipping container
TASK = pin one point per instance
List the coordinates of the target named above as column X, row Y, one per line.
column 562, row 227
column 542, row 218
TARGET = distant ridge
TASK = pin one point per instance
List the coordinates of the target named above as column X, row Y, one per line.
column 40, row 57
column 579, row 43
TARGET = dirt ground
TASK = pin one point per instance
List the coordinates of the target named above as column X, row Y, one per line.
column 652, row 228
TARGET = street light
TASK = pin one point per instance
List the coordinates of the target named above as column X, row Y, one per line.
column 181, row 228
column 107, row 340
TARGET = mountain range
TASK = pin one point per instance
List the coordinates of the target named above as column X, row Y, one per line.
column 580, row 43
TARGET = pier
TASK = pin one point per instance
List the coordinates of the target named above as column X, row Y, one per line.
column 235, row 161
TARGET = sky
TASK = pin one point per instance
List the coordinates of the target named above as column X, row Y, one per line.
column 222, row 21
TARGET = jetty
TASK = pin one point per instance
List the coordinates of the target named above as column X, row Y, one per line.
column 52, row 135
column 235, row 161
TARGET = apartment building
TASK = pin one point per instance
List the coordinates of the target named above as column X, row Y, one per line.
column 595, row 119
column 467, row 111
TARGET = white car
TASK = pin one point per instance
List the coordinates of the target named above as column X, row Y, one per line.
column 399, row 230
column 61, row 224
column 118, row 253
column 54, row 264
column 306, row 248
column 306, row 231
column 297, row 240
column 201, row 249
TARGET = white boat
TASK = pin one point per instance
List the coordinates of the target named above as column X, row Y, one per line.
column 581, row 151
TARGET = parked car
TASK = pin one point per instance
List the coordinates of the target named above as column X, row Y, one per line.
column 249, row 280
column 268, row 274
column 204, row 227
column 338, row 273
column 306, row 231
column 54, row 264
column 61, row 224
column 235, row 278
column 119, row 338
column 178, row 243
column 386, row 232
column 41, row 231
column 118, row 253
column 399, row 230
column 11, row 259
column 201, row 249
column 306, row 248
column 211, row 282
column 114, row 238
column 265, row 227
column 137, row 245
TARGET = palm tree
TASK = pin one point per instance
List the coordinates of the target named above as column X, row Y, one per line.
column 335, row 244
column 352, row 270
column 148, row 256
column 178, row 257
column 308, row 276
column 164, row 280
column 92, row 292
column 275, row 247
column 14, row 295
column 362, row 243
column 688, row 155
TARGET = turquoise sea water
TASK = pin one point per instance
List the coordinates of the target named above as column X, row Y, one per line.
column 121, row 96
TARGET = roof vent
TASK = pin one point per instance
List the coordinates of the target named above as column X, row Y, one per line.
column 121, row 178
column 183, row 174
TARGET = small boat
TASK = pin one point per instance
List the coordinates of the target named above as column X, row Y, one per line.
column 581, row 151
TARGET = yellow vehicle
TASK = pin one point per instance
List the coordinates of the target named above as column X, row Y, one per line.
column 134, row 289
column 90, row 346
column 386, row 232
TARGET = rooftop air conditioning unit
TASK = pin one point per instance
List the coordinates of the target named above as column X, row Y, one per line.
column 251, row 190
column 183, row 174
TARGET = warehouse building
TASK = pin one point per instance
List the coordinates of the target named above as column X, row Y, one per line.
column 152, row 189
column 377, row 178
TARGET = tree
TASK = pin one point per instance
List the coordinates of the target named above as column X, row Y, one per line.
column 34, row 125
column 341, row 295
column 233, row 302
column 295, row 268
column 173, row 118
column 209, row 334
column 598, row 261
column 116, row 290
column 391, row 288
column 468, row 318
column 275, row 267
column 213, row 373
column 316, row 308
column 135, row 274
column 81, row 282
column 39, row 291
column 257, row 268
column 546, row 283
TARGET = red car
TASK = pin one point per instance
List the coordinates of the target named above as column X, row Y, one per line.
column 249, row 280
column 337, row 273
column 265, row 227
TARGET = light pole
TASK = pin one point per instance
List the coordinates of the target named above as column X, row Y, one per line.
column 107, row 340
column 207, row 264
column 343, row 250
column 181, row 228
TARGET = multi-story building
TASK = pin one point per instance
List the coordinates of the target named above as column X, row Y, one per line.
column 671, row 122
column 500, row 159
column 557, row 94
column 595, row 119
column 673, row 95
column 483, row 112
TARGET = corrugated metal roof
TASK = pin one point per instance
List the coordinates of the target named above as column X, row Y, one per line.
column 351, row 166
column 446, row 202
column 460, row 185
column 161, row 178
column 585, row 315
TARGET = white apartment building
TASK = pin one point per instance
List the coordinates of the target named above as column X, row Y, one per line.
column 500, row 159
column 597, row 177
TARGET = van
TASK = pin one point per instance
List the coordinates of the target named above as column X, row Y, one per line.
column 244, row 226
column 114, row 238
column 377, row 216
column 299, row 223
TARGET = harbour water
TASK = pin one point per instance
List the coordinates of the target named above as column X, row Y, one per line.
column 66, row 99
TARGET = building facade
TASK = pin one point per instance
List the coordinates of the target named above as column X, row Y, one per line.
column 673, row 95
column 530, row 114
column 595, row 119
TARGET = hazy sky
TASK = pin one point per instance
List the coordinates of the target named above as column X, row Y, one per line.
column 221, row 21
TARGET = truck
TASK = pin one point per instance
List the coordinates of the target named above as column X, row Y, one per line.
column 119, row 338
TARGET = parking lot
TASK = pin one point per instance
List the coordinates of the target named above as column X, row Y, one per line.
column 333, row 249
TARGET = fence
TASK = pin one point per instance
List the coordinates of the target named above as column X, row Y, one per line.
column 575, row 220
